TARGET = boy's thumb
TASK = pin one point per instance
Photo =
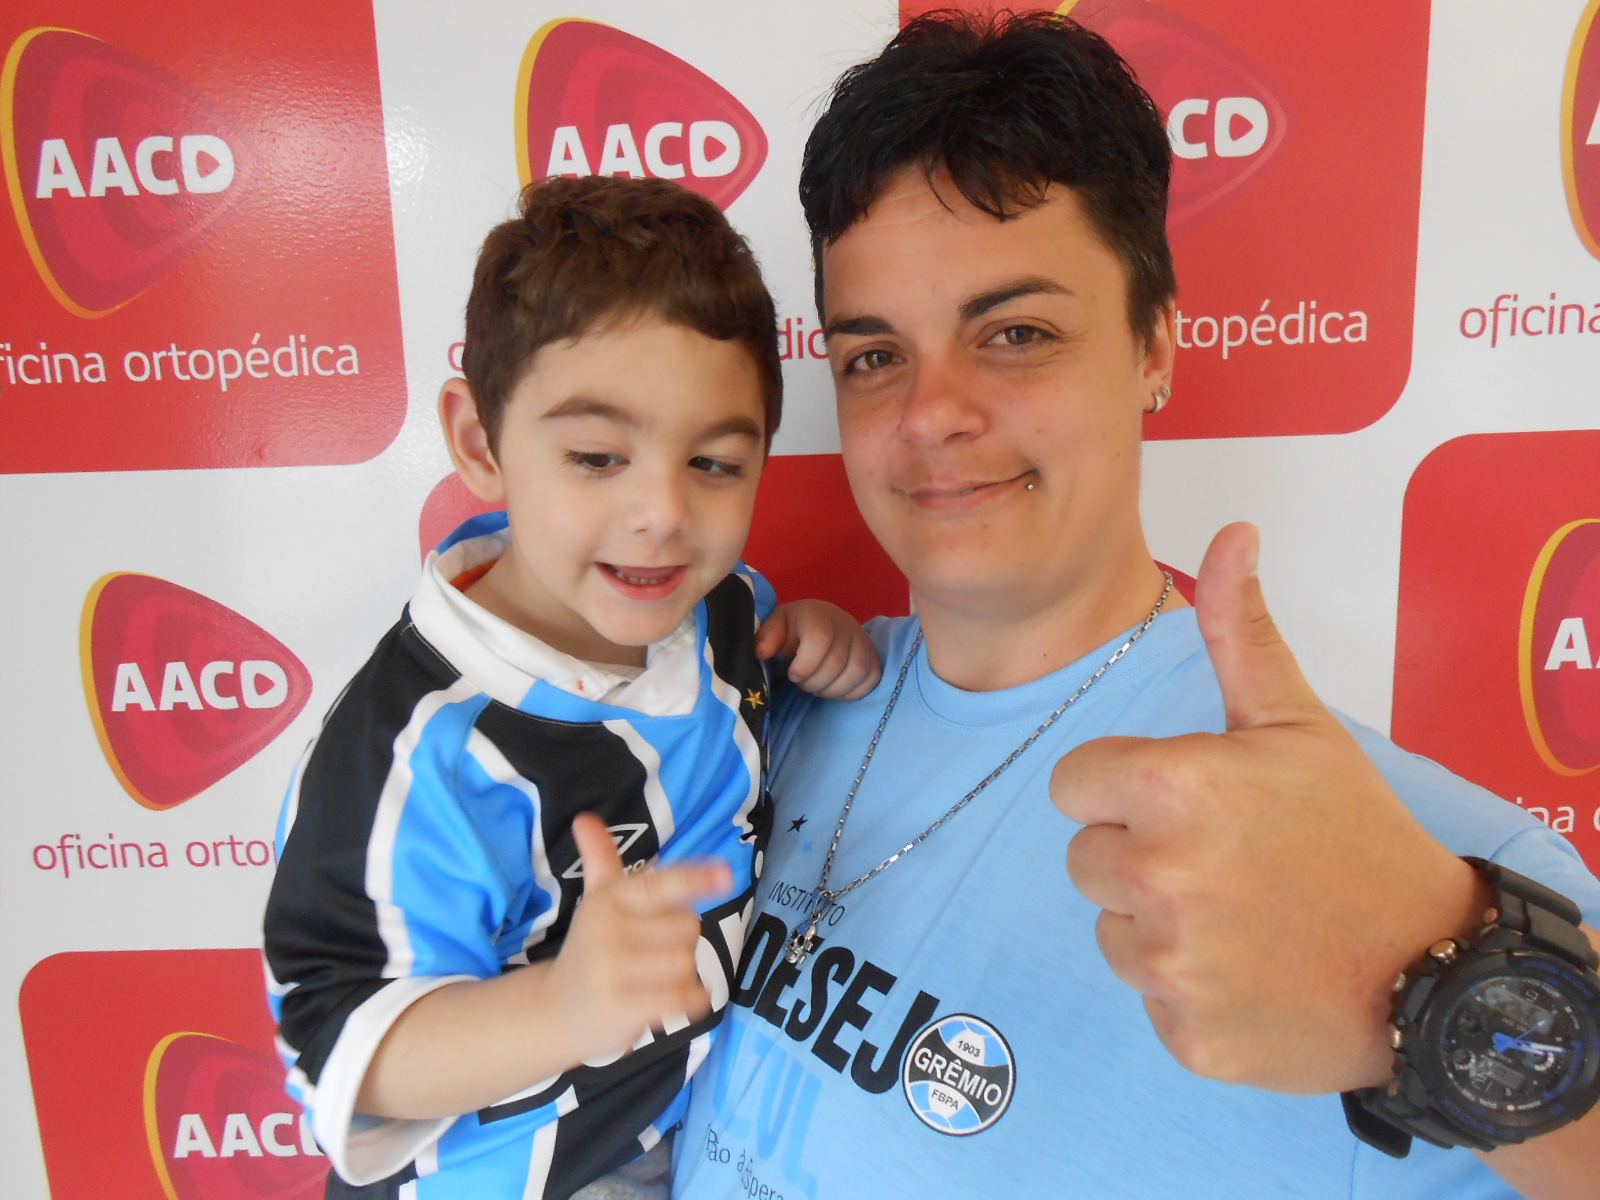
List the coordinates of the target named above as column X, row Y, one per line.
column 597, row 850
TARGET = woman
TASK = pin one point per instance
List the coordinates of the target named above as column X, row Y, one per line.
column 927, row 1005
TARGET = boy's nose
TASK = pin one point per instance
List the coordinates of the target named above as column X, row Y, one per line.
column 659, row 506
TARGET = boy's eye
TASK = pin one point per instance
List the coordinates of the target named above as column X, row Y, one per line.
column 868, row 361
column 717, row 466
column 594, row 460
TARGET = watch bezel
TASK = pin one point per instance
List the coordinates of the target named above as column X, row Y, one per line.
column 1423, row 1052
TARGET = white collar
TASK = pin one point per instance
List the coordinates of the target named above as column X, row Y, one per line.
column 506, row 661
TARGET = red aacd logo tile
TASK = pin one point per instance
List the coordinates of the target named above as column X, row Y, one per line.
column 154, row 1078
column 593, row 100
column 182, row 691
column 199, row 259
column 1497, row 666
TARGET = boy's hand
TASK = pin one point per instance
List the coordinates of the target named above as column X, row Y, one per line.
column 628, row 963
column 829, row 654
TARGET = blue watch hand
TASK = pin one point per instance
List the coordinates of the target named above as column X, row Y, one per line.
column 1502, row 1043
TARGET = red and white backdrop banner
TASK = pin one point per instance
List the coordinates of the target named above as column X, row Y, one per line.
column 236, row 250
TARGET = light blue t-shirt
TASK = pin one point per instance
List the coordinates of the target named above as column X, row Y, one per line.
column 958, row 1033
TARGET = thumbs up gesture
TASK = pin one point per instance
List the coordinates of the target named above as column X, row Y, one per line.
column 628, row 962
column 1261, row 887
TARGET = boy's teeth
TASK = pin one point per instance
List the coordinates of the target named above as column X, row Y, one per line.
column 654, row 577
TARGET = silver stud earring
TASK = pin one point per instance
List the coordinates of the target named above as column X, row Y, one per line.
column 1158, row 399
column 1029, row 487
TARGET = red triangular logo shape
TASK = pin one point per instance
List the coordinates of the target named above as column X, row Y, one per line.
column 220, row 1126
column 1560, row 641
column 1580, row 130
column 593, row 100
column 117, row 171
column 1225, row 119
column 182, row 690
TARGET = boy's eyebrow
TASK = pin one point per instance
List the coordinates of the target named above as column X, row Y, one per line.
column 733, row 426
column 589, row 406
column 976, row 306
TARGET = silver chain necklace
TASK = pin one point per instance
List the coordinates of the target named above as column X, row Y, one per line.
column 801, row 943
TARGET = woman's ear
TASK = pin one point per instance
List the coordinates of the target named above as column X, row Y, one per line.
column 1160, row 348
column 468, row 441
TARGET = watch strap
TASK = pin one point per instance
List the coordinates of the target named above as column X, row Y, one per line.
column 1525, row 915
column 1544, row 918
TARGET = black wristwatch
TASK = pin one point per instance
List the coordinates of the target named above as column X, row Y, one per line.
column 1496, row 1036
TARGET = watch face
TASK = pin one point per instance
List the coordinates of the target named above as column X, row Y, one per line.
column 1519, row 1045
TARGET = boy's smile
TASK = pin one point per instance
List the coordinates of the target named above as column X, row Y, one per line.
column 627, row 461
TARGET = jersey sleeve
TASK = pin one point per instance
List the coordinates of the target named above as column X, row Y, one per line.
column 766, row 597
column 387, row 889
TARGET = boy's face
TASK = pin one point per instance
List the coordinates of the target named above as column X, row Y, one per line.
column 627, row 462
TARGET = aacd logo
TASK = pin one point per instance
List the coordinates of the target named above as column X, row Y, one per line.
column 182, row 690
column 117, row 171
column 1580, row 128
column 1225, row 119
column 131, row 1104
column 1560, row 650
column 220, row 1126
column 593, row 100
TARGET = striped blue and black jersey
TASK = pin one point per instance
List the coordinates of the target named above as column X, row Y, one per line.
column 426, row 840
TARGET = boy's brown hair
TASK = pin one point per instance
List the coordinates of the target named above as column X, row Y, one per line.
column 587, row 251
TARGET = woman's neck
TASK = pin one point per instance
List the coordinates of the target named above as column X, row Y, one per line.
column 988, row 645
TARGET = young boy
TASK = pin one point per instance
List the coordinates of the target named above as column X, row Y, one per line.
column 573, row 694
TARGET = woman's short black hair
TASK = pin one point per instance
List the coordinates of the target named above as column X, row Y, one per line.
column 1005, row 105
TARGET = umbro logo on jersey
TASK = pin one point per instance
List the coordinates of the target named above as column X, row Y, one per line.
column 1580, row 128
column 623, row 837
column 593, row 100
column 959, row 1075
column 117, row 170
column 1560, row 650
column 1225, row 119
column 219, row 1124
column 182, row 690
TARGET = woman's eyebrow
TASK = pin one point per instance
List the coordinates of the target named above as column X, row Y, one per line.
column 859, row 327
column 1030, row 285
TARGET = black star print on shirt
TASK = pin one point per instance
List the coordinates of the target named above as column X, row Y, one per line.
column 794, row 825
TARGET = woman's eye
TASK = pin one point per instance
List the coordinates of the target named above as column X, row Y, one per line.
column 717, row 466
column 1018, row 335
column 594, row 460
column 868, row 360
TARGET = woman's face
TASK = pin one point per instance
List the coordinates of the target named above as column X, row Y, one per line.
column 990, row 393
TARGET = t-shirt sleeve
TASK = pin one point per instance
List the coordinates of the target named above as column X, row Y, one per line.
column 1469, row 819
column 387, row 889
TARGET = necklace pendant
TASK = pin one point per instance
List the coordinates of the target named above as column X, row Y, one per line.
column 801, row 944
column 798, row 946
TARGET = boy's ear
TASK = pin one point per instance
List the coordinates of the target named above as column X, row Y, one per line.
column 468, row 441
